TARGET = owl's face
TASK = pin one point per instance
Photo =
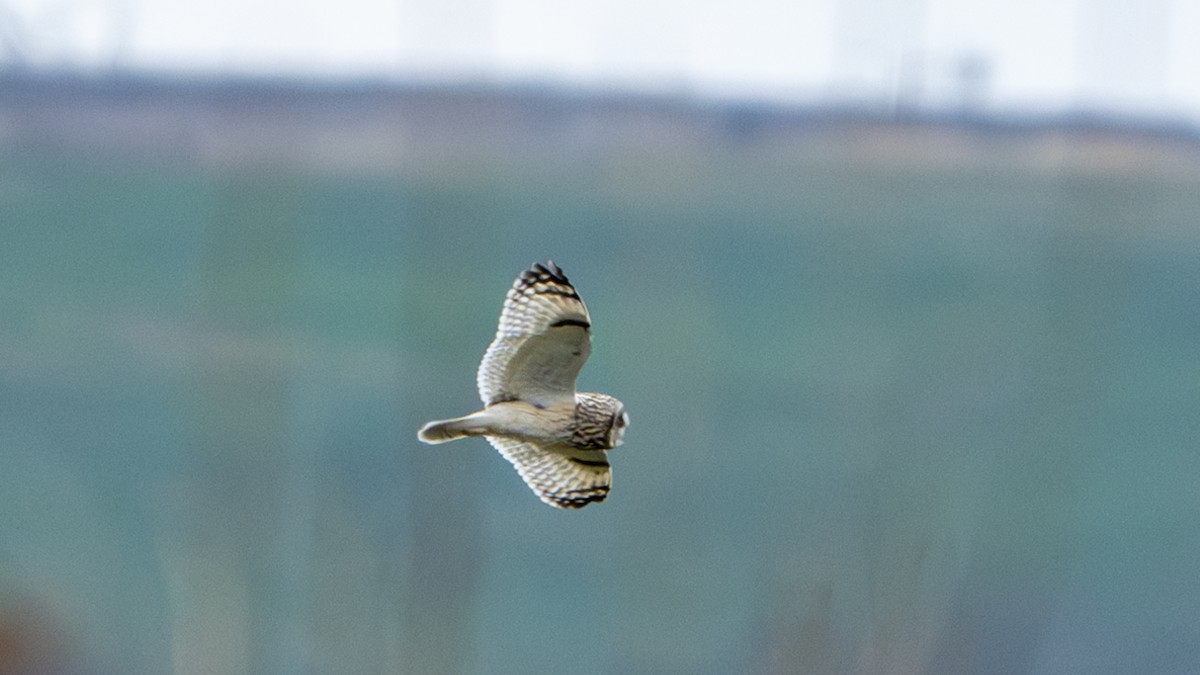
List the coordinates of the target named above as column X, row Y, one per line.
column 617, row 426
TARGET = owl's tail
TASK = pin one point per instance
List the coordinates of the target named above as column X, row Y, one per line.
column 440, row 431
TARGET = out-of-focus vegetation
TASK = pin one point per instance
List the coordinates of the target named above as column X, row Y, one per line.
column 906, row 397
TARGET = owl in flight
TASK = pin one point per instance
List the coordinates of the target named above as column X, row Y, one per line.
column 554, row 436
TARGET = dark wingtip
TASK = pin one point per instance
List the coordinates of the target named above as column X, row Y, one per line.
column 547, row 270
column 573, row 500
column 545, row 278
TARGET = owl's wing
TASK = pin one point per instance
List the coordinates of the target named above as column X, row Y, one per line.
column 541, row 343
column 566, row 479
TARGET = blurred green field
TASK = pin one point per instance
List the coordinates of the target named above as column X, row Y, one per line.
column 892, row 411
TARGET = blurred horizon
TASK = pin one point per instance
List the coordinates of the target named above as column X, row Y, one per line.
column 485, row 108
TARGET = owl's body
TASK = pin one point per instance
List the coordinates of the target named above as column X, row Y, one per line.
column 555, row 437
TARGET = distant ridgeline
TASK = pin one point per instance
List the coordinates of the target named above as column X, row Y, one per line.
column 373, row 125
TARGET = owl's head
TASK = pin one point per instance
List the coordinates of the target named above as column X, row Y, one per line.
column 600, row 421
column 617, row 426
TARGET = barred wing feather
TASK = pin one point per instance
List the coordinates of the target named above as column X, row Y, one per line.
column 541, row 343
column 564, row 477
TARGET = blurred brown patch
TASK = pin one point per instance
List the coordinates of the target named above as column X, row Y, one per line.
column 30, row 642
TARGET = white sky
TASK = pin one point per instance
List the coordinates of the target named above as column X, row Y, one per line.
column 1133, row 55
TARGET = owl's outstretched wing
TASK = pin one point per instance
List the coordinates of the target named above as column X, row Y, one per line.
column 567, row 479
column 541, row 343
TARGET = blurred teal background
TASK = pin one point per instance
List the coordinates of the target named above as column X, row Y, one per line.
column 907, row 395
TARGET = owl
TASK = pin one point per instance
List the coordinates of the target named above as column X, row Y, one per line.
column 554, row 436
